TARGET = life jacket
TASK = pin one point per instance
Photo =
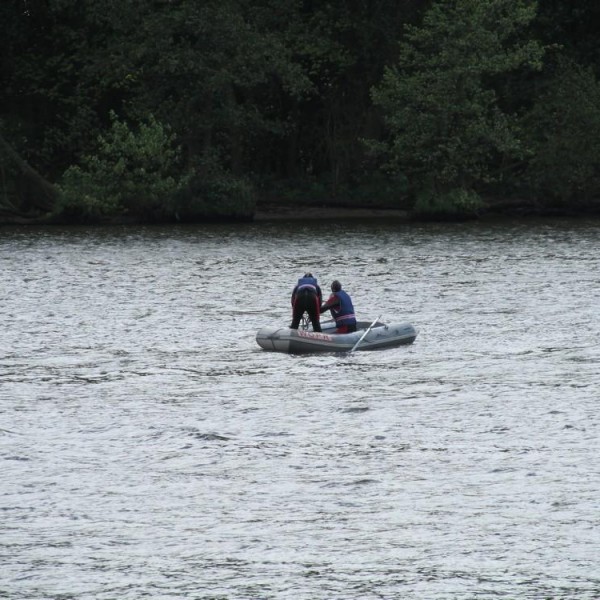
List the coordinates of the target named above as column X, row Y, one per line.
column 344, row 313
column 307, row 284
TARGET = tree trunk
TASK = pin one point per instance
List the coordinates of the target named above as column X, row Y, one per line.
column 46, row 194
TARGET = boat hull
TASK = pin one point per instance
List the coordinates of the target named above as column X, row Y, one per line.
column 300, row 341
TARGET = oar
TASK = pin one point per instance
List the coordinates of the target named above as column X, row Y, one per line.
column 362, row 337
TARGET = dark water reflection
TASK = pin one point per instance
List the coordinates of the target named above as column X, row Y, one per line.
column 149, row 448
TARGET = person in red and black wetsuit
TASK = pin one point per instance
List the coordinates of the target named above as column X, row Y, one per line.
column 342, row 310
column 306, row 297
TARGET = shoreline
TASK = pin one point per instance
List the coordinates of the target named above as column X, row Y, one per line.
column 276, row 213
column 511, row 209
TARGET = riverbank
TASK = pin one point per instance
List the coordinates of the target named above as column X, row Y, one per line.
column 274, row 212
column 495, row 208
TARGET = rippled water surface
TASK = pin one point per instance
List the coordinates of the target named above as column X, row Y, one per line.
column 150, row 449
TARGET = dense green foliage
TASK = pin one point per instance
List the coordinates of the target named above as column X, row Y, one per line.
column 564, row 138
column 447, row 129
column 189, row 110
column 129, row 173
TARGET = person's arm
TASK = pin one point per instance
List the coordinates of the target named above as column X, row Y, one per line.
column 332, row 302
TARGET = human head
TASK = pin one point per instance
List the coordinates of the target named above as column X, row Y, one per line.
column 336, row 286
column 309, row 274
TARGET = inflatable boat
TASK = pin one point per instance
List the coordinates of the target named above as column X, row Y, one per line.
column 303, row 341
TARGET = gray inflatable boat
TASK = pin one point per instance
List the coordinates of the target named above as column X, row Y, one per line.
column 304, row 341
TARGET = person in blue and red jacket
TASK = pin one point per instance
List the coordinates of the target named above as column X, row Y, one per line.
column 342, row 310
column 306, row 297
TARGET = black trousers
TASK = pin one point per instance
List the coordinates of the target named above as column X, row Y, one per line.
column 309, row 303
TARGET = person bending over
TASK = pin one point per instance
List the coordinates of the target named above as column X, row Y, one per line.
column 342, row 310
column 306, row 297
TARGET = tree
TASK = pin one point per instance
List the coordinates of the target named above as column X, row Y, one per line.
column 206, row 68
column 563, row 132
column 447, row 130
column 130, row 174
column 58, row 85
column 344, row 45
column 574, row 27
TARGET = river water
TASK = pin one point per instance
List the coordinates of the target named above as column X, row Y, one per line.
column 150, row 449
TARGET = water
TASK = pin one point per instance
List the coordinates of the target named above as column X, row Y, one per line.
column 150, row 449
